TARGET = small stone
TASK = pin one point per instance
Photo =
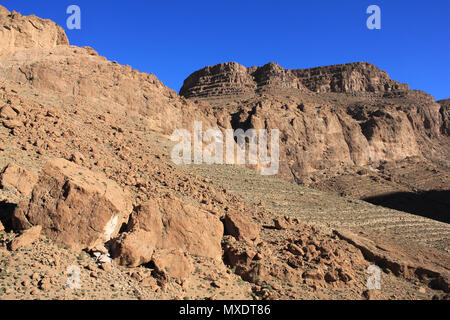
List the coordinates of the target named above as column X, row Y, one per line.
column 280, row 224
column 149, row 283
column 7, row 113
column 12, row 124
column 45, row 284
column 27, row 238
column 106, row 267
column 91, row 267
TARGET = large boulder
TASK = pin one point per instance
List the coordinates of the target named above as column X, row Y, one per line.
column 172, row 264
column 74, row 206
column 28, row 237
column 18, row 178
column 240, row 226
column 132, row 249
column 168, row 224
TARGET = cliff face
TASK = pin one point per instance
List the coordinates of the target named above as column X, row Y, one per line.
column 445, row 113
column 332, row 119
column 25, row 32
column 232, row 79
column 352, row 77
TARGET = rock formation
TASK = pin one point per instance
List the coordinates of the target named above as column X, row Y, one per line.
column 18, row 178
column 234, row 79
column 74, row 206
column 25, row 32
column 331, row 119
column 168, row 224
column 445, row 113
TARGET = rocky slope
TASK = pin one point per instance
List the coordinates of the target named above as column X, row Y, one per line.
column 88, row 190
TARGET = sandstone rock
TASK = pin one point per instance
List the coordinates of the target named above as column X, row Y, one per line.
column 77, row 158
column 395, row 260
column 351, row 121
column 7, row 112
column 27, row 238
column 74, row 206
column 2, row 228
column 45, row 284
column 106, row 267
column 240, row 226
column 12, row 124
column 25, row 32
column 234, row 79
column 295, row 249
column 315, row 274
column 280, row 223
column 445, row 113
column 222, row 79
column 331, row 276
column 4, row 11
column 172, row 224
column 133, row 249
column 18, row 178
column 149, row 283
column 173, row 263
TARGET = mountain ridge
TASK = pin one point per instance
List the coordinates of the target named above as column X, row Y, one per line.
column 233, row 78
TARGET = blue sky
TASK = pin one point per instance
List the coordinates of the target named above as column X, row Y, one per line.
column 174, row 38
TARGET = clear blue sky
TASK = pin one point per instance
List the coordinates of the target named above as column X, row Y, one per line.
column 174, row 38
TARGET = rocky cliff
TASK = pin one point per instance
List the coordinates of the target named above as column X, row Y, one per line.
column 232, row 78
column 445, row 113
column 332, row 119
column 25, row 32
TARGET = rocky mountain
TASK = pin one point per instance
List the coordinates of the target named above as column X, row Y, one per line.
column 92, row 207
column 234, row 79
column 335, row 121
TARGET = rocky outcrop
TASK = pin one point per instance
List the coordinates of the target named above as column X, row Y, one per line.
column 18, row 178
column 234, row 79
column 132, row 249
column 25, row 32
column 348, row 78
column 399, row 262
column 221, row 79
column 331, row 119
column 445, row 113
column 74, row 206
column 168, row 224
